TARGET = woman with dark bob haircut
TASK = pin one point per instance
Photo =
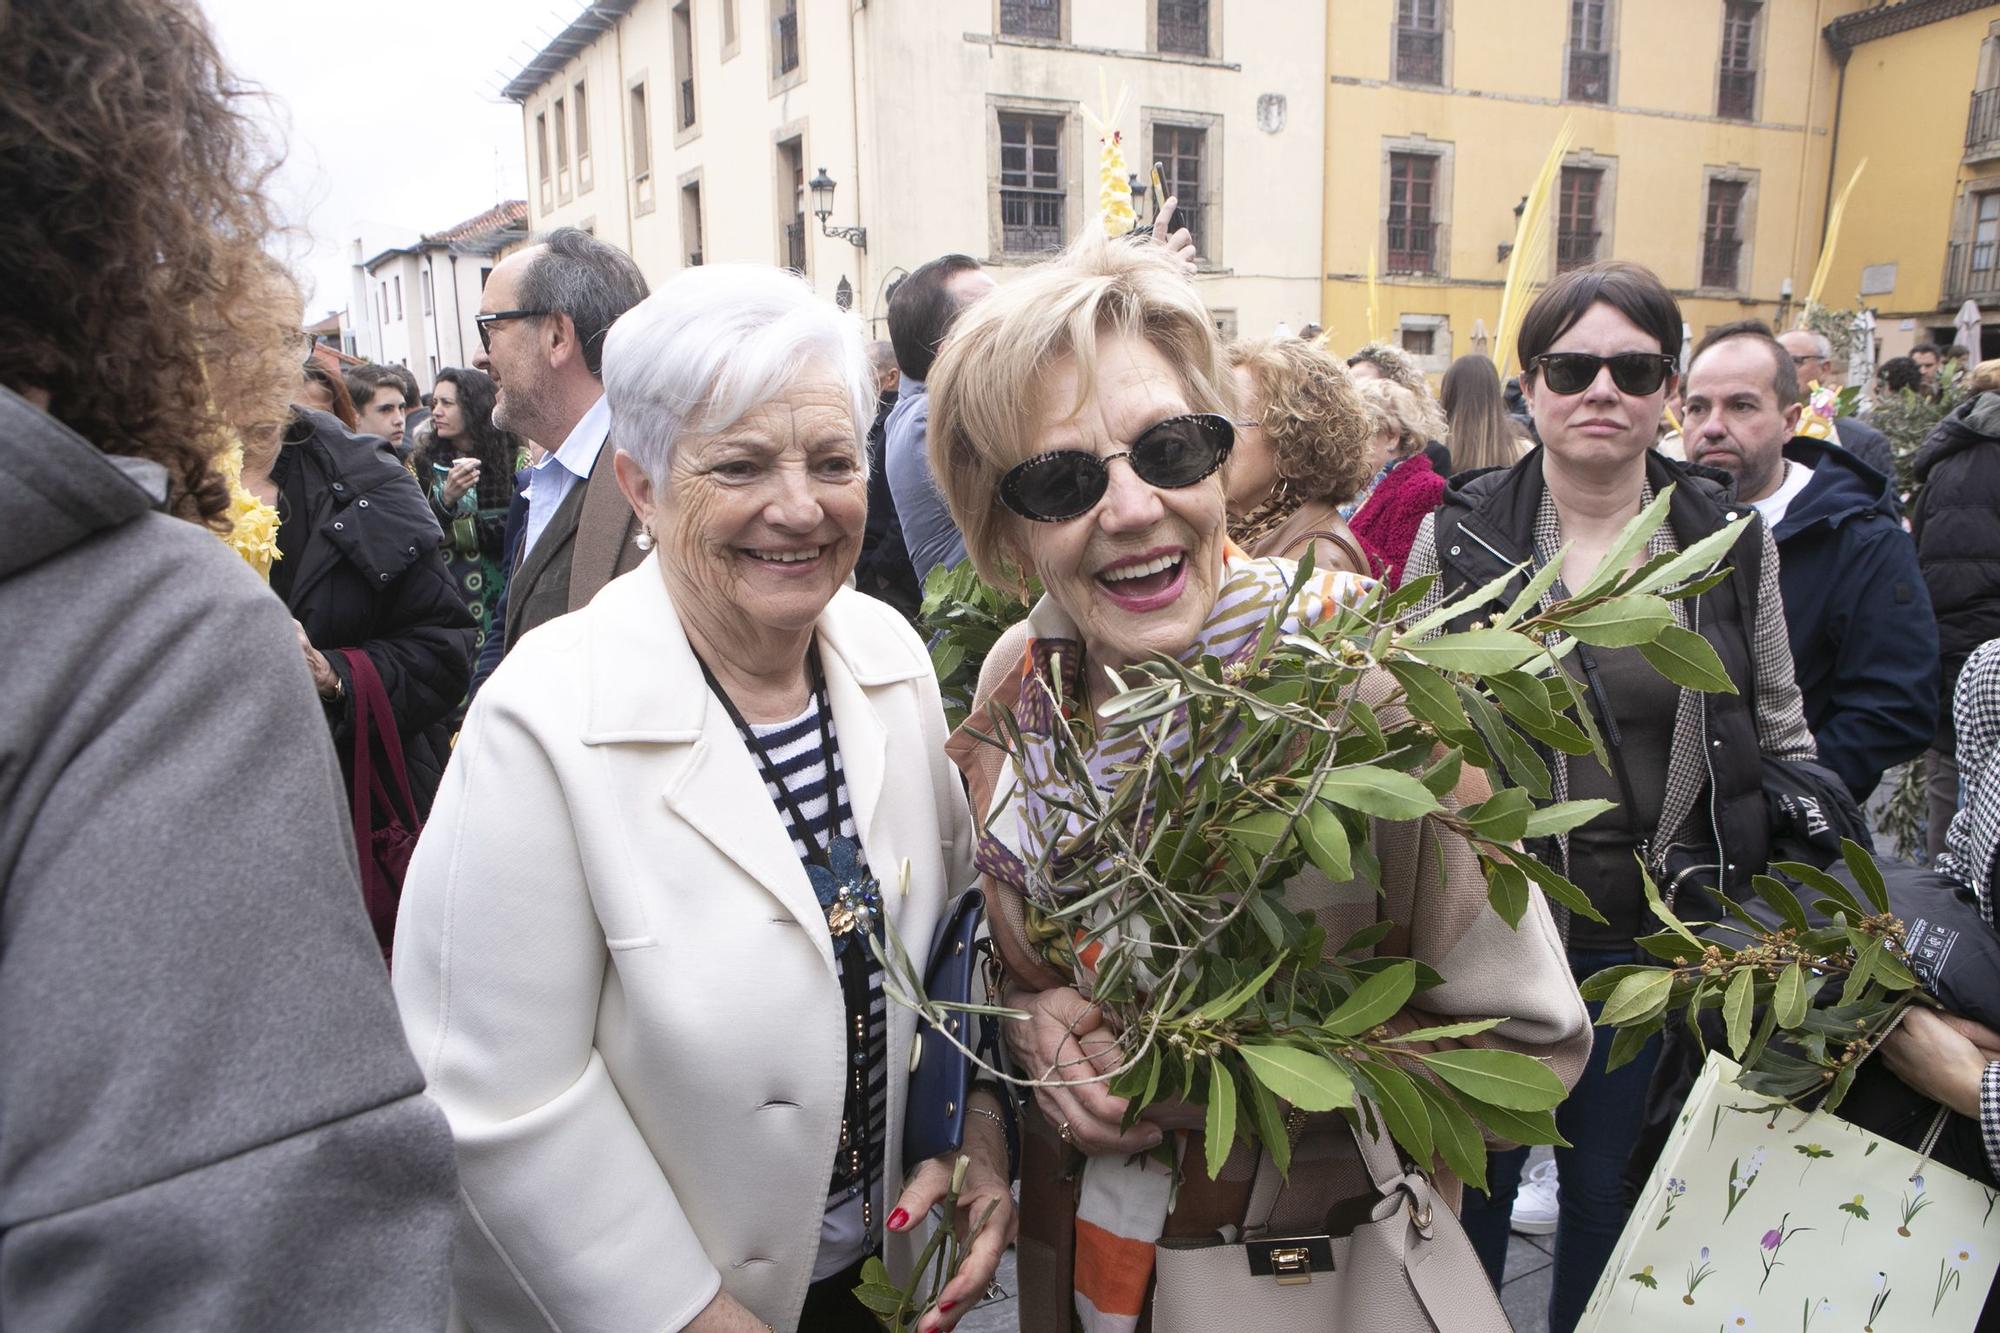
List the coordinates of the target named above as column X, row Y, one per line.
column 1597, row 361
column 213, row 1119
column 1301, row 433
column 466, row 466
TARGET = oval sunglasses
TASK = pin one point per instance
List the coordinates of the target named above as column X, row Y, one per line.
column 1170, row 454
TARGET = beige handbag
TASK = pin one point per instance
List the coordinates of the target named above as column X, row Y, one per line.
column 1394, row 1261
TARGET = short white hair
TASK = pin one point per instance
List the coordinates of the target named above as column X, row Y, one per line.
column 716, row 343
column 1822, row 346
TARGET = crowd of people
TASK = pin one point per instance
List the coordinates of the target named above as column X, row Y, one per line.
column 607, row 652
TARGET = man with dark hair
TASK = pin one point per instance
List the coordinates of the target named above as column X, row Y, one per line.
column 542, row 321
column 884, row 571
column 416, row 407
column 1863, row 638
column 920, row 314
column 1928, row 356
column 380, row 405
column 1899, row 373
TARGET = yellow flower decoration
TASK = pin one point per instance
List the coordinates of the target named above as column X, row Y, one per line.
column 253, row 530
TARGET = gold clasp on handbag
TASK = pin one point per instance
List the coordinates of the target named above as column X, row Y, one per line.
column 1290, row 1261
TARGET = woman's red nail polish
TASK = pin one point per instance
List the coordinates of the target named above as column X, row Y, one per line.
column 899, row 1219
column 947, row 1307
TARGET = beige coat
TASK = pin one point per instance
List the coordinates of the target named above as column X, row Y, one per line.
column 613, row 970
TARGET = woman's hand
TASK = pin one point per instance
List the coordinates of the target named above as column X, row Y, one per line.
column 1066, row 1037
column 1942, row 1056
column 464, row 475
column 324, row 679
column 985, row 1184
column 1180, row 244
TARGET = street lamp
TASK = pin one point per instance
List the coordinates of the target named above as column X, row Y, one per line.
column 822, row 187
column 1138, row 188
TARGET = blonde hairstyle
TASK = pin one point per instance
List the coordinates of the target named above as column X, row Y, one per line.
column 1985, row 377
column 988, row 386
column 1415, row 420
column 1397, row 366
column 1315, row 420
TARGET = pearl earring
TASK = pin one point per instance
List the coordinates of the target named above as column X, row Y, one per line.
column 644, row 541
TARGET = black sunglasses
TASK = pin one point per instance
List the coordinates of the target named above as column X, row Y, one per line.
column 1170, row 454
column 486, row 323
column 1636, row 373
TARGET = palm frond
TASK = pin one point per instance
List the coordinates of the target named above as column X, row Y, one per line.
column 1529, row 262
column 1825, row 265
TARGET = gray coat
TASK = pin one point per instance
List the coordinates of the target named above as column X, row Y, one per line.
column 209, row 1118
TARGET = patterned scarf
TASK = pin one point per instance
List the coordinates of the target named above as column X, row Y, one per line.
column 1122, row 1204
column 1250, row 531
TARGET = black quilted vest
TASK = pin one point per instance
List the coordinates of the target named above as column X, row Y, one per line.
column 1486, row 523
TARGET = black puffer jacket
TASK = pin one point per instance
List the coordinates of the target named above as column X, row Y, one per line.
column 1956, row 519
column 361, row 569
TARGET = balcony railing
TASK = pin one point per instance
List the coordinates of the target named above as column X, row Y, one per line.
column 1031, row 221
column 1031, row 18
column 1982, row 123
column 1589, row 76
column 1971, row 272
column 1184, row 27
column 788, row 42
column 1736, row 95
column 1419, row 56
column 795, row 244
column 1412, row 247
column 1718, row 262
column 687, row 102
column 1574, row 249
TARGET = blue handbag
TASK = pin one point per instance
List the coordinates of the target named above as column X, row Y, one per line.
column 941, row 1075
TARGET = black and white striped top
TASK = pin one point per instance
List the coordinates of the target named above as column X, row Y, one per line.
column 794, row 749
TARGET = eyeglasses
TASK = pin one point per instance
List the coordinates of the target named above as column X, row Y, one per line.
column 1636, row 373
column 1170, row 454
column 486, row 323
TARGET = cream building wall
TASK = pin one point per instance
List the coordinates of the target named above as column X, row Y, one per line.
column 899, row 101
column 1657, row 140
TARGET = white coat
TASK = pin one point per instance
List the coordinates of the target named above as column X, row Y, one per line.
column 612, row 968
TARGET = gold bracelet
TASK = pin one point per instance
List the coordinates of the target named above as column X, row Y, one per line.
column 980, row 1110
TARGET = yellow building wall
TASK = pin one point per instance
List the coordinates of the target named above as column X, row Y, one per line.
column 1903, row 110
column 1503, row 107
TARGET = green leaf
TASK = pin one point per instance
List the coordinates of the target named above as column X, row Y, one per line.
column 1477, row 652
column 1473, row 601
column 1820, row 882
column 1308, row 1081
column 1258, row 834
column 1696, row 559
column 1402, row 1108
column 1221, row 1008
column 1862, row 867
column 1622, row 622
column 1365, row 939
column 1220, row 1128
column 1660, row 908
column 1530, row 597
column 1377, row 791
column 1442, row 776
column 1521, row 1127
column 1455, row 1134
column 1688, row 660
column 1504, row 1078
column 1521, row 696
column 1270, row 1123
column 1430, row 697
column 1628, row 1042
column 1559, row 888
column 1374, row 1002
column 880, row 1297
column 1789, row 999
column 1501, row 817
column 1865, row 963
column 1563, row 816
column 1599, row 985
column 1890, row 974
column 1523, row 766
column 1737, row 1006
column 1449, row 1031
column 1507, row 891
column 1782, row 900
column 1673, row 947
column 1638, row 997
column 1324, row 837
column 1631, row 540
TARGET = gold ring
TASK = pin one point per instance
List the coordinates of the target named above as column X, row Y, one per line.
column 1066, row 1134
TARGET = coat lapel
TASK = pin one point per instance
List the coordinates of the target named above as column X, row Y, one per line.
column 605, row 529
column 560, row 531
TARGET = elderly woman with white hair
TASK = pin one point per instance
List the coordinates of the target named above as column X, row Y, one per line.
column 632, row 956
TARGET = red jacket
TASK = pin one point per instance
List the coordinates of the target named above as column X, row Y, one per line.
column 1387, row 525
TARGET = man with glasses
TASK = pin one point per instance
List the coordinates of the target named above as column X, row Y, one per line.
column 1812, row 358
column 1863, row 638
column 541, row 324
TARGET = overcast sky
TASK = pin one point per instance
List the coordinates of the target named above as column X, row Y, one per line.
column 390, row 110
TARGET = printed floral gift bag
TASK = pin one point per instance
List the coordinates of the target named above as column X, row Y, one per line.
column 1758, row 1216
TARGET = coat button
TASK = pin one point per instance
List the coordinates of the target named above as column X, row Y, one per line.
column 362, row 503
column 338, row 526
column 1454, row 550
column 413, row 550
column 339, row 488
column 385, row 576
column 1717, row 744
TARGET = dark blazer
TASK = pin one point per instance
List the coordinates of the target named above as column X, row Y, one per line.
column 589, row 541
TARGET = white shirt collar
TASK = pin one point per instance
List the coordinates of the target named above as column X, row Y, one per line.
column 578, row 453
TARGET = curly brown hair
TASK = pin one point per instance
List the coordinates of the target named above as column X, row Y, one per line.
column 132, row 215
column 1310, row 411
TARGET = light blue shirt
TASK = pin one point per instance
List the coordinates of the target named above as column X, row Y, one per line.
column 551, row 480
column 932, row 538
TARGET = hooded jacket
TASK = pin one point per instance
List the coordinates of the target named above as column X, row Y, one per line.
column 1958, row 539
column 1864, row 640
column 209, row 1118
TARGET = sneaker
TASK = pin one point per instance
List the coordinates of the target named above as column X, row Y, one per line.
column 1535, row 1204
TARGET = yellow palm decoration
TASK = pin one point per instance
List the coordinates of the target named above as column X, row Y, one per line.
column 1114, row 189
column 1825, row 264
column 1529, row 262
column 1374, row 299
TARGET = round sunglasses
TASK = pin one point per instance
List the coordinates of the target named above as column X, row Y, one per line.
column 1636, row 373
column 1170, row 454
